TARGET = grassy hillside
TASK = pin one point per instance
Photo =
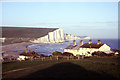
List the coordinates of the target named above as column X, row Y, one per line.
column 90, row 68
column 23, row 34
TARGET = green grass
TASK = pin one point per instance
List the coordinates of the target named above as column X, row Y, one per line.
column 92, row 67
column 23, row 64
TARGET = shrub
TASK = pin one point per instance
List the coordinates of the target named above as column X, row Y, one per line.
column 42, row 55
column 99, row 53
column 67, row 54
column 116, row 50
column 111, row 54
column 57, row 53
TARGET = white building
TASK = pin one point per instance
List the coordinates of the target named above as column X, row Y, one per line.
column 27, row 55
column 22, row 57
column 2, row 39
column 86, row 49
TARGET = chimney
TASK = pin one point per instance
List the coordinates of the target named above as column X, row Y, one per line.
column 90, row 41
column 26, row 50
column 74, row 42
column 33, row 50
column 81, row 42
column 29, row 50
column 98, row 42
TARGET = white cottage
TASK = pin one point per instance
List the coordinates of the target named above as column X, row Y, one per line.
column 86, row 49
column 27, row 55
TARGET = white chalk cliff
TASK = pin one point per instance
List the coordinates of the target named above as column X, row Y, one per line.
column 52, row 37
column 70, row 37
column 84, row 37
column 56, row 36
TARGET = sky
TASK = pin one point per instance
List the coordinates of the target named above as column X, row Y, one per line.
column 93, row 19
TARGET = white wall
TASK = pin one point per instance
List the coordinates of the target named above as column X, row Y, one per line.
column 21, row 57
column 84, row 51
column 2, row 39
column 104, row 48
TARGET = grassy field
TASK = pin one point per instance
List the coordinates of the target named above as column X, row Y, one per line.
column 89, row 68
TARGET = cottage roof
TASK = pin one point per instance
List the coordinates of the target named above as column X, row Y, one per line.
column 92, row 45
column 86, row 45
column 29, row 54
column 76, row 47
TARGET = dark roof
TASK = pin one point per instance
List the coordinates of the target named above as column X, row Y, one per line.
column 29, row 54
column 26, row 54
column 86, row 45
column 67, row 54
column 76, row 47
column 92, row 45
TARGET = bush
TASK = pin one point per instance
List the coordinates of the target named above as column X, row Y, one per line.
column 67, row 54
column 116, row 50
column 99, row 53
column 111, row 54
column 57, row 53
column 42, row 55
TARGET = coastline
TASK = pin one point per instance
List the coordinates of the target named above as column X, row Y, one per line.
column 16, row 46
column 6, row 49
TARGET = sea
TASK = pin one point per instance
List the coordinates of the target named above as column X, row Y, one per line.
column 47, row 49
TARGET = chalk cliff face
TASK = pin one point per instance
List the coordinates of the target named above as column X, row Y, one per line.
column 52, row 37
column 11, row 35
column 56, row 36
column 83, row 37
column 70, row 37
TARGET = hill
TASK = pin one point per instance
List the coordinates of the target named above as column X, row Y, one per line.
column 23, row 34
column 12, row 35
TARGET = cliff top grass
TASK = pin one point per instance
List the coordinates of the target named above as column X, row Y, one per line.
column 25, row 32
column 102, row 68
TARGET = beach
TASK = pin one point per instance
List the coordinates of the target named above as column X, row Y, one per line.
column 15, row 46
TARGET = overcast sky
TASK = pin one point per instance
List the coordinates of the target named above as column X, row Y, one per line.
column 94, row 19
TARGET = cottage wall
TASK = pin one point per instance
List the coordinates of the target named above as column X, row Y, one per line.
column 71, row 51
column 21, row 57
column 84, row 51
column 104, row 48
column 81, row 51
column 87, row 51
column 2, row 39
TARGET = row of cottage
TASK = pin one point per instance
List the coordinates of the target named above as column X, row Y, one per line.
column 87, row 48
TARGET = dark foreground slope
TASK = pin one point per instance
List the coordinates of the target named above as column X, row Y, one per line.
column 93, row 68
column 23, row 34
